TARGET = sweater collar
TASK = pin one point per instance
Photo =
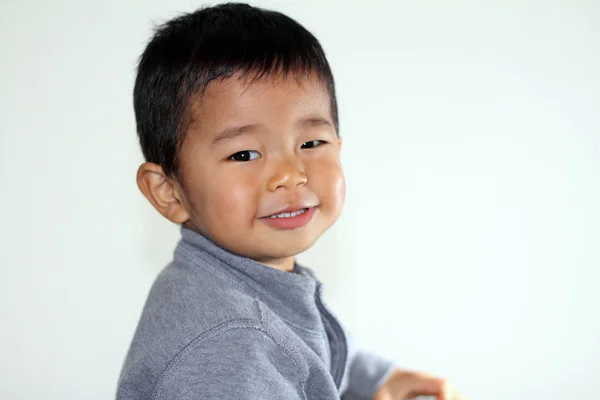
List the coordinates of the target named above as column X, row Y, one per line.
column 291, row 295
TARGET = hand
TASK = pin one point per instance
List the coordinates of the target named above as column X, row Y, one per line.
column 404, row 385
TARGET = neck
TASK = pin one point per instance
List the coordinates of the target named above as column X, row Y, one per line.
column 283, row 264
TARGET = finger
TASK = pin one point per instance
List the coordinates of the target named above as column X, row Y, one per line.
column 458, row 396
column 421, row 384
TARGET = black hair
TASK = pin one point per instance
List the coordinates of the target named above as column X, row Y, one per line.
column 188, row 52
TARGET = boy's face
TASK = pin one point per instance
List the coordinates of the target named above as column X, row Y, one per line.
column 257, row 150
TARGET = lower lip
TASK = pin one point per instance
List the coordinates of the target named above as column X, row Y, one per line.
column 291, row 222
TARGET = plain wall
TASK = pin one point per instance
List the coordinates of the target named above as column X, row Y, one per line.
column 469, row 244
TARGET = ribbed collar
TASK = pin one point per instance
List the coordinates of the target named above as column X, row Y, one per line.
column 291, row 295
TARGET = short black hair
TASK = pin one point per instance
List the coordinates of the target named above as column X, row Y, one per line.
column 188, row 52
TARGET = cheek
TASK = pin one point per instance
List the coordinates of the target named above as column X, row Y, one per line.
column 331, row 184
column 232, row 200
column 339, row 188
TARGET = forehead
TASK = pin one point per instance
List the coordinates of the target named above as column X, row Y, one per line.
column 237, row 100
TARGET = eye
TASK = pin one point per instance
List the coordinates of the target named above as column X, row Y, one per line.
column 246, row 155
column 312, row 144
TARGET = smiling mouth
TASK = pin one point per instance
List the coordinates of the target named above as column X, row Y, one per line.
column 290, row 219
column 288, row 214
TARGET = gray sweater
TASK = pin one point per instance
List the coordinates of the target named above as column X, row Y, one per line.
column 219, row 326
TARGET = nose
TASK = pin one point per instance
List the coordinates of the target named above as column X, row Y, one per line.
column 288, row 175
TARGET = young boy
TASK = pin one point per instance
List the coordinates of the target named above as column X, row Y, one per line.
column 237, row 119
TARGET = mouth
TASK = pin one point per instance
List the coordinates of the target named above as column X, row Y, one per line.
column 290, row 218
column 288, row 213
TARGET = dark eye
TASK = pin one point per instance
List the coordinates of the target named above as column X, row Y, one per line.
column 246, row 155
column 312, row 144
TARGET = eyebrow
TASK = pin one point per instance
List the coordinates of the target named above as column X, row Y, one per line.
column 234, row 132
column 310, row 122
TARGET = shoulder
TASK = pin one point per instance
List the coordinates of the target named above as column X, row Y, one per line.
column 185, row 301
column 203, row 297
column 235, row 361
column 190, row 316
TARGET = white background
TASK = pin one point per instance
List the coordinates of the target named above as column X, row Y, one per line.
column 470, row 242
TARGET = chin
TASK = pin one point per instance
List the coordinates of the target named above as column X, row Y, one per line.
column 292, row 248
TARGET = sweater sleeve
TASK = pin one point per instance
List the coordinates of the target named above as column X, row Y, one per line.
column 366, row 372
column 241, row 363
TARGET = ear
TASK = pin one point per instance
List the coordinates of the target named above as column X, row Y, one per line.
column 162, row 192
column 340, row 140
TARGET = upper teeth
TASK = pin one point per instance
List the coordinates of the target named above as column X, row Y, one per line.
column 288, row 215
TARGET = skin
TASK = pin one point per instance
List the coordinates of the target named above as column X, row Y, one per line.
column 251, row 150
column 285, row 127
column 405, row 385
